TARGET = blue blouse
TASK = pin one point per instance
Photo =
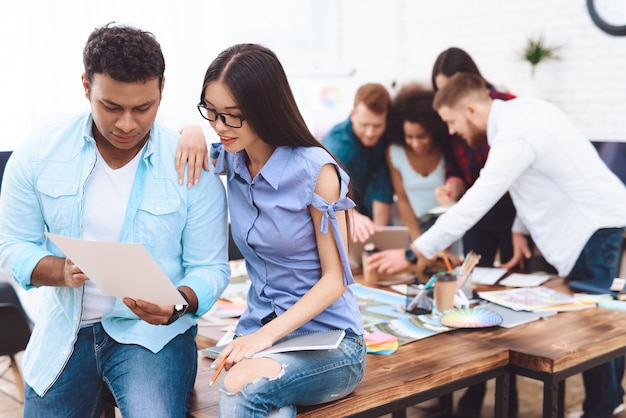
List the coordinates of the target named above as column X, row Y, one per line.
column 273, row 229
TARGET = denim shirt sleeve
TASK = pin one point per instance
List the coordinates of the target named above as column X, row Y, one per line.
column 22, row 227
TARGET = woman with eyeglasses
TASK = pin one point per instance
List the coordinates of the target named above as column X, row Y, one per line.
column 289, row 204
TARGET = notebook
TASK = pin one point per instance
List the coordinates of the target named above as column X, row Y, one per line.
column 389, row 238
column 325, row 340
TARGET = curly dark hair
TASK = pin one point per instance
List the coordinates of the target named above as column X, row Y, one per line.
column 124, row 53
column 414, row 103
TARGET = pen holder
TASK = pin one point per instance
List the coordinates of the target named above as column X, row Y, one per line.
column 464, row 284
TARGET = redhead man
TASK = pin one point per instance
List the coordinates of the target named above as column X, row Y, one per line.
column 359, row 143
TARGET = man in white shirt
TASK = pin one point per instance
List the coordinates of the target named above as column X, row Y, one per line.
column 566, row 198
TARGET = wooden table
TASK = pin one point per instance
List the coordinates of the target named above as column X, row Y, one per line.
column 549, row 350
column 416, row 372
column 558, row 347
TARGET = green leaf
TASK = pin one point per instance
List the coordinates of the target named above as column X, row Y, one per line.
column 536, row 51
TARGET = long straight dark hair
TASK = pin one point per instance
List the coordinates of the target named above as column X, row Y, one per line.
column 455, row 60
column 259, row 85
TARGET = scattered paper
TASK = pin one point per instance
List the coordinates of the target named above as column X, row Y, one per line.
column 524, row 280
column 487, row 275
column 209, row 320
column 527, row 298
column 406, row 289
column 225, row 309
column 120, row 269
column 618, row 284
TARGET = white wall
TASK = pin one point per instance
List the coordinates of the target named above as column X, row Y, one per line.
column 402, row 42
column 328, row 48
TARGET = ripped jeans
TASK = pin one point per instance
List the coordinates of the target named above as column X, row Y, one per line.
column 307, row 378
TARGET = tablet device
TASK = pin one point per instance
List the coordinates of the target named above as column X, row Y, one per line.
column 388, row 238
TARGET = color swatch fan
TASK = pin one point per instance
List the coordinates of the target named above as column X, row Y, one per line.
column 471, row 318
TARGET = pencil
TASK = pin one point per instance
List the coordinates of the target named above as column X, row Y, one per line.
column 218, row 371
column 445, row 260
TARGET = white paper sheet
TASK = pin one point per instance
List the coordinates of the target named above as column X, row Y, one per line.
column 120, row 269
column 524, row 280
column 487, row 275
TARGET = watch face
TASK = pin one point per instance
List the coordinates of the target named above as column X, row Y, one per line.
column 608, row 15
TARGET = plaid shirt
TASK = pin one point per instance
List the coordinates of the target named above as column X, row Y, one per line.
column 468, row 160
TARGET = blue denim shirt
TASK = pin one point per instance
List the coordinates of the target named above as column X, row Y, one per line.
column 185, row 230
column 272, row 227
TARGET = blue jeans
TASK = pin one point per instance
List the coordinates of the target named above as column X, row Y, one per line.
column 143, row 383
column 597, row 264
column 309, row 378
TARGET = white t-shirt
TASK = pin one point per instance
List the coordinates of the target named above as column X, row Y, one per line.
column 106, row 198
column 560, row 187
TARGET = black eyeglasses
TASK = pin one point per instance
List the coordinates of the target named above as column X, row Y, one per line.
column 227, row 119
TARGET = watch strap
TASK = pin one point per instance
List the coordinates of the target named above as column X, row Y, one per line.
column 409, row 254
column 179, row 310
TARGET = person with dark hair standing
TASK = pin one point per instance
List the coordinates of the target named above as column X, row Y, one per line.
column 492, row 234
column 359, row 144
column 420, row 169
column 288, row 200
column 108, row 175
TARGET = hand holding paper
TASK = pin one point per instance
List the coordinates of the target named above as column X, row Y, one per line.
column 120, row 269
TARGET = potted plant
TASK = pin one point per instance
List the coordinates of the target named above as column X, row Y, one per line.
column 537, row 51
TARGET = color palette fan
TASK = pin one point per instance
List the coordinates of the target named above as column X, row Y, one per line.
column 471, row 318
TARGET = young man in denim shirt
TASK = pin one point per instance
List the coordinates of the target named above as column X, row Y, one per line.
column 109, row 175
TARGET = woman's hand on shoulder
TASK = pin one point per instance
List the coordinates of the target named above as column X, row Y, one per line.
column 192, row 151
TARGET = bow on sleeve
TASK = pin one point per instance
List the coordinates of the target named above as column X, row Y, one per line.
column 330, row 213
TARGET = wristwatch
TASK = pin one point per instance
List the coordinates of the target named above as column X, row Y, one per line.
column 179, row 310
column 410, row 255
